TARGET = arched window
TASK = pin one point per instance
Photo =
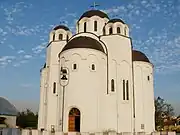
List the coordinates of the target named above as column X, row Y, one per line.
column 95, row 25
column 112, row 85
column 74, row 66
column 118, row 30
column 127, row 90
column 53, row 37
column 93, row 67
column 110, row 31
column 124, row 94
column 54, row 87
column 148, row 77
column 125, row 31
column 85, row 26
column 60, row 36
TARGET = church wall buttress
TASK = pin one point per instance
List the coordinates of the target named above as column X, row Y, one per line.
column 119, row 49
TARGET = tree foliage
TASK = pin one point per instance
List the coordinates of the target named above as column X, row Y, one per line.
column 27, row 119
column 162, row 110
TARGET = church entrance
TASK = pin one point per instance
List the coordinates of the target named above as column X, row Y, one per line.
column 74, row 120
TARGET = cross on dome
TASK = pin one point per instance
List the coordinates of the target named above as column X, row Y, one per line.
column 95, row 5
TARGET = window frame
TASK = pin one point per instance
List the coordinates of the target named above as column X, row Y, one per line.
column 95, row 25
column 85, row 26
column 110, row 30
column 118, row 30
column 54, row 88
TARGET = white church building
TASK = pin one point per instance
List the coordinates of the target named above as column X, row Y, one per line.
column 94, row 81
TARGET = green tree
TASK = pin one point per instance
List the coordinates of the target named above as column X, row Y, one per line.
column 162, row 110
column 27, row 119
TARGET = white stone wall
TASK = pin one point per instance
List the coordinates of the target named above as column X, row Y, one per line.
column 144, row 96
column 120, row 68
column 86, row 87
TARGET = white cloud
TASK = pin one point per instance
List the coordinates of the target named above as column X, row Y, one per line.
column 20, row 51
column 27, row 56
column 38, row 49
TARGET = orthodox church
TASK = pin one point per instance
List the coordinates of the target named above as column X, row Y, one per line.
column 94, row 81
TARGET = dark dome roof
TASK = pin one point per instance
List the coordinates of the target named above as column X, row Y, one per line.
column 6, row 108
column 139, row 56
column 83, row 42
column 116, row 20
column 91, row 13
column 61, row 27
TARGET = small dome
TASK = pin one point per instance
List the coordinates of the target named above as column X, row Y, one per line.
column 6, row 108
column 91, row 13
column 61, row 27
column 83, row 42
column 116, row 20
column 139, row 56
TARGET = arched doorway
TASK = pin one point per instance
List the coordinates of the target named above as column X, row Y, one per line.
column 74, row 120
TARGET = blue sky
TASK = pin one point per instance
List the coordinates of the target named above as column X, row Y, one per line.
column 25, row 27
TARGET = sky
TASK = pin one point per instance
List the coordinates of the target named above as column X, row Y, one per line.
column 24, row 32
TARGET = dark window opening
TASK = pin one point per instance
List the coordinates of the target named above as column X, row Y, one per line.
column 60, row 36
column 127, row 90
column 53, row 37
column 148, row 77
column 95, row 25
column 93, row 67
column 67, row 37
column 110, row 30
column 74, row 66
column 112, row 85
column 85, row 25
column 54, row 87
column 124, row 90
column 118, row 30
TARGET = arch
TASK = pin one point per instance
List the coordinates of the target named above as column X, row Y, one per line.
column 60, row 36
column 85, row 26
column 74, row 120
column 118, row 30
column 95, row 25
column 110, row 30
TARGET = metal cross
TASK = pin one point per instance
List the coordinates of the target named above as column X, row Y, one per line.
column 95, row 5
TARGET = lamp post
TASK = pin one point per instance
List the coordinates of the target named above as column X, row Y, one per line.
column 64, row 74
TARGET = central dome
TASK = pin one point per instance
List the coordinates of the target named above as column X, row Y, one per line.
column 84, row 42
column 91, row 13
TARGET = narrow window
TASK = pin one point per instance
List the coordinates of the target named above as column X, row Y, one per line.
column 112, row 85
column 93, row 67
column 67, row 37
column 127, row 90
column 110, row 30
column 118, row 30
column 124, row 90
column 53, row 37
column 60, row 36
column 95, row 25
column 85, row 25
column 74, row 66
column 54, row 87
column 148, row 77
